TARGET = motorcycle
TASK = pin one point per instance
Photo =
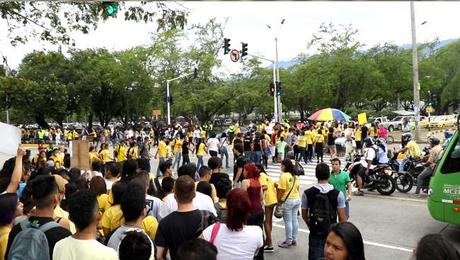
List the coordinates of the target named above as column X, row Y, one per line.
column 408, row 178
column 378, row 178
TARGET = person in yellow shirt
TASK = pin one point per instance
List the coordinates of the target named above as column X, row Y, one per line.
column 357, row 134
column 412, row 149
column 98, row 186
column 270, row 200
column 93, row 155
column 113, row 216
column 132, row 151
column 288, row 192
column 309, row 138
column 120, row 151
column 104, row 154
column 200, row 149
column 319, row 142
column 9, row 205
column 302, row 144
column 162, row 153
column 177, row 150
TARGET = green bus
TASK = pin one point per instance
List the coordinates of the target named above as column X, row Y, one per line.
column 444, row 192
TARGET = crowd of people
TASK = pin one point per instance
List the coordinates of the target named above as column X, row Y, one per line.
column 123, row 209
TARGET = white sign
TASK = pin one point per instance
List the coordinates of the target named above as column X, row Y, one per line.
column 10, row 139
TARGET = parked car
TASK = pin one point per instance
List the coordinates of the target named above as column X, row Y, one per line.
column 443, row 121
column 397, row 122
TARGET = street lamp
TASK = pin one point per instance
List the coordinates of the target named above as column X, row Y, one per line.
column 278, row 97
column 168, row 97
column 415, row 72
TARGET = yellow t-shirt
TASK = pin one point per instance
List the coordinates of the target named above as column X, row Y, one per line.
column 93, row 157
column 302, row 141
column 102, row 201
column 372, row 131
column 203, row 134
column 121, row 153
column 4, row 233
column 285, row 183
column 309, row 136
column 319, row 138
column 413, row 149
column 162, row 152
column 150, row 226
column 270, row 193
column 357, row 133
column 105, row 154
column 132, row 153
column 177, row 146
column 200, row 151
column 113, row 218
column 60, row 213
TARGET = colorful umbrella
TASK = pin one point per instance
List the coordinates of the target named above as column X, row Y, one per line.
column 329, row 114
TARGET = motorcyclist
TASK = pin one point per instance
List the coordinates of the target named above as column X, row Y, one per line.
column 366, row 163
column 433, row 158
column 412, row 148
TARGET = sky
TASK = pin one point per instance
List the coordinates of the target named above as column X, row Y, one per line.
column 246, row 21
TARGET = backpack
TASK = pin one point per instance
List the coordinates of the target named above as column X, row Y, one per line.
column 298, row 169
column 31, row 242
column 375, row 161
column 322, row 210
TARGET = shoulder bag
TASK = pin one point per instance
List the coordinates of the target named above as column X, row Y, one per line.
column 279, row 209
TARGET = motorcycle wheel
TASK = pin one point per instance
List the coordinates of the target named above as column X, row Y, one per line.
column 404, row 182
column 386, row 184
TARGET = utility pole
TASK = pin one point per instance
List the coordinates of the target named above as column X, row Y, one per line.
column 168, row 96
column 415, row 73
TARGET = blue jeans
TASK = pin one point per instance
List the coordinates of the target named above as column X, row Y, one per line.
column 160, row 161
column 403, row 163
column 224, row 152
column 291, row 221
column 177, row 158
column 316, row 247
column 199, row 162
column 257, row 156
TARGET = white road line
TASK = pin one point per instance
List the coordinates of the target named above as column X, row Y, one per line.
column 365, row 242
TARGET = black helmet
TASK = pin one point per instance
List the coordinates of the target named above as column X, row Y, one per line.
column 434, row 140
column 406, row 137
column 368, row 142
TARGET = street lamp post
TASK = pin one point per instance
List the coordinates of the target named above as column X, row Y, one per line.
column 278, row 105
column 415, row 74
column 168, row 97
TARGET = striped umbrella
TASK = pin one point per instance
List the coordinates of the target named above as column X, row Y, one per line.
column 329, row 114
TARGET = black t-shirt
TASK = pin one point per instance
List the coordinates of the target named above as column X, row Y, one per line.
column 216, row 177
column 257, row 144
column 363, row 132
column 240, row 161
column 178, row 228
column 247, row 143
column 185, row 147
column 53, row 235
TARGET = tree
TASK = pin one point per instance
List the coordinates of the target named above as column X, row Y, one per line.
column 53, row 21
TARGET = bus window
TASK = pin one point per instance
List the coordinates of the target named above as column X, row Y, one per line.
column 452, row 162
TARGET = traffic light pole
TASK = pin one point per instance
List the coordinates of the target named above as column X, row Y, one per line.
column 168, row 97
column 278, row 97
column 276, row 115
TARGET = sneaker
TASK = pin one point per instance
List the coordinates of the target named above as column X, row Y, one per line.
column 268, row 249
column 359, row 193
column 294, row 243
column 284, row 245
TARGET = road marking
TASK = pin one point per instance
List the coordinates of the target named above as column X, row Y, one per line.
column 365, row 242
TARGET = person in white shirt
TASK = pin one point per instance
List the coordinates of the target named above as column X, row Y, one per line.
column 200, row 201
column 234, row 239
column 84, row 212
column 213, row 145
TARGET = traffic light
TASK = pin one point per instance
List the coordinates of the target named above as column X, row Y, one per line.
column 271, row 89
column 110, row 7
column 244, row 49
column 226, row 45
column 195, row 73
column 278, row 88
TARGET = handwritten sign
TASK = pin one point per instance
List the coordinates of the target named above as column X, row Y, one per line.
column 10, row 138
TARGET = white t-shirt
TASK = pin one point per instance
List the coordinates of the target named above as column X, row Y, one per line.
column 70, row 248
column 201, row 201
column 153, row 205
column 236, row 244
column 369, row 155
column 212, row 144
column 108, row 184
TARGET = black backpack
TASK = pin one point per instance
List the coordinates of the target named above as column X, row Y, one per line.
column 322, row 210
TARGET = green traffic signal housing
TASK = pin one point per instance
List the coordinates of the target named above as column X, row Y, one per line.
column 226, row 45
column 110, row 7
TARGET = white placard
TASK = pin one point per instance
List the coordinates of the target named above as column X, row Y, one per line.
column 10, row 138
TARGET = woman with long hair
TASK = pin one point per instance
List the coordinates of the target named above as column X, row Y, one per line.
column 200, row 150
column 270, row 200
column 344, row 242
column 224, row 148
column 288, row 191
column 235, row 239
